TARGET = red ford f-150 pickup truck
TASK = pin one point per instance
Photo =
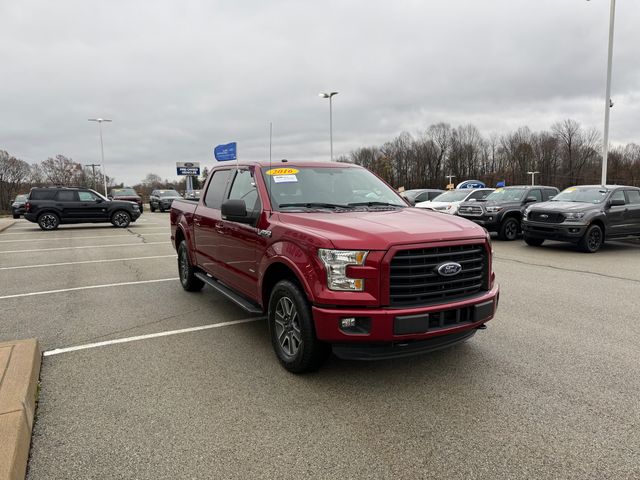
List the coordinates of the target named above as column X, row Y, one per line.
column 337, row 260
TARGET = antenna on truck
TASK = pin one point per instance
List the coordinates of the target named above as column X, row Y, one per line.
column 270, row 143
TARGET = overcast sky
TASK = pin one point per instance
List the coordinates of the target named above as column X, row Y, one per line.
column 179, row 77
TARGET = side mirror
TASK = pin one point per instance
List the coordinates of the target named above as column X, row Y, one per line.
column 617, row 202
column 472, row 200
column 530, row 200
column 235, row 211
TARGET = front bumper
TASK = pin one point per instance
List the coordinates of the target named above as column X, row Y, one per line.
column 488, row 221
column 566, row 232
column 18, row 210
column 405, row 331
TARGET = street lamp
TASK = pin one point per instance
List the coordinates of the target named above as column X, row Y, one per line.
column 329, row 96
column 104, row 170
column 533, row 176
column 607, row 96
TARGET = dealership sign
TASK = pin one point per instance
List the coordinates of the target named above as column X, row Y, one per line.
column 188, row 168
column 471, row 184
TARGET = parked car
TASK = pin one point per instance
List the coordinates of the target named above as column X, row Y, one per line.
column 501, row 211
column 128, row 194
column 586, row 215
column 448, row 202
column 50, row 207
column 17, row 207
column 421, row 194
column 162, row 199
column 193, row 195
column 370, row 278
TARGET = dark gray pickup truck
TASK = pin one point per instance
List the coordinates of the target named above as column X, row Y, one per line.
column 587, row 215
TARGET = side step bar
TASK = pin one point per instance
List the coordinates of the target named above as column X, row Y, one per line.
column 242, row 302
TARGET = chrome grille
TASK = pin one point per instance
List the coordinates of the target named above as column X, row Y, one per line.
column 414, row 279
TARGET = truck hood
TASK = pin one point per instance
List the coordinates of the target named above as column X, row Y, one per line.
column 130, row 198
column 379, row 230
column 565, row 206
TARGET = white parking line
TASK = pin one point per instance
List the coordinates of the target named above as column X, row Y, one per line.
column 85, row 261
column 85, row 246
column 86, row 346
column 88, row 287
column 44, row 239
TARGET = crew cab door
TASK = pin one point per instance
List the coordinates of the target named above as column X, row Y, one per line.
column 241, row 244
column 618, row 218
column 633, row 203
column 207, row 224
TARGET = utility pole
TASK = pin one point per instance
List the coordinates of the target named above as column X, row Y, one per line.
column 93, row 167
column 533, row 177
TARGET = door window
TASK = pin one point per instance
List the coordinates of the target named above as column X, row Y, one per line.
column 537, row 194
column 618, row 195
column 479, row 195
column 244, row 188
column 87, row 197
column 549, row 193
column 216, row 189
column 633, row 196
column 67, row 196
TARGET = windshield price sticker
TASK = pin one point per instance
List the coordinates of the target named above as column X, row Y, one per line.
column 285, row 178
column 283, row 171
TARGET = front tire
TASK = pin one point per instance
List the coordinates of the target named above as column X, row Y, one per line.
column 509, row 229
column 186, row 271
column 533, row 242
column 15, row 216
column 292, row 331
column 48, row 221
column 592, row 240
column 121, row 219
column 152, row 208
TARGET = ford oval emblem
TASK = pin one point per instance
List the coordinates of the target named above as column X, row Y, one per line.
column 449, row 269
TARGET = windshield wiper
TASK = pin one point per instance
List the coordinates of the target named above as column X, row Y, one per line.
column 315, row 205
column 374, row 204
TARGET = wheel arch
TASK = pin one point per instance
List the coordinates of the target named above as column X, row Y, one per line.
column 278, row 270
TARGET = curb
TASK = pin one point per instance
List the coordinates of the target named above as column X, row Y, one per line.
column 19, row 372
column 4, row 226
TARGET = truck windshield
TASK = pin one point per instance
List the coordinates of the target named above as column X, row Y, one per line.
column 582, row 195
column 505, row 195
column 169, row 193
column 452, row 196
column 122, row 192
column 333, row 187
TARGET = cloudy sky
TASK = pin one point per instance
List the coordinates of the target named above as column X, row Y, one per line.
column 178, row 77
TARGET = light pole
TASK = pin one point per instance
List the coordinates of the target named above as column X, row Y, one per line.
column 533, row 177
column 329, row 96
column 104, row 170
column 607, row 96
column 450, row 177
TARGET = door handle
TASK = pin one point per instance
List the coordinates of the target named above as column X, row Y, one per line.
column 219, row 228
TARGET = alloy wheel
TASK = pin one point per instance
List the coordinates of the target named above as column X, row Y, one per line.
column 287, row 326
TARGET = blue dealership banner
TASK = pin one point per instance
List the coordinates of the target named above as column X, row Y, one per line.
column 226, row 152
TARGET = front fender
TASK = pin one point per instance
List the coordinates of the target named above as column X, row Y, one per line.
column 294, row 258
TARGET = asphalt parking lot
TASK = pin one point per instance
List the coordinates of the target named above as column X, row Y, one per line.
column 550, row 390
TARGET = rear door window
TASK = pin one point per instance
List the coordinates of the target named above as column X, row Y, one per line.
column 67, row 196
column 537, row 194
column 216, row 189
column 42, row 195
column 633, row 197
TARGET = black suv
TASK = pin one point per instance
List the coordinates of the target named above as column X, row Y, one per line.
column 49, row 207
column 501, row 211
column 587, row 215
column 162, row 199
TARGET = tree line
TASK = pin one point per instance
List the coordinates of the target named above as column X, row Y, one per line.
column 567, row 154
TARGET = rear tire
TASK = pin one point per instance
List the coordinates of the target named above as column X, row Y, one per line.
column 592, row 240
column 120, row 219
column 48, row 221
column 292, row 331
column 533, row 242
column 152, row 208
column 15, row 215
column 161, row 209
column 509, row 229
column 186, row 271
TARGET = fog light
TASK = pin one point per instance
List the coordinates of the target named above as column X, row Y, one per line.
column 348, row 322
column 355, row 325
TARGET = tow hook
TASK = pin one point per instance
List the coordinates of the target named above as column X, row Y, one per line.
column 481, row 327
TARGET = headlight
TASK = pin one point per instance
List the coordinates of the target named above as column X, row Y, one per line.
column 493, row 209
column 526, row 213
column 336, row 262
column 573, row 217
